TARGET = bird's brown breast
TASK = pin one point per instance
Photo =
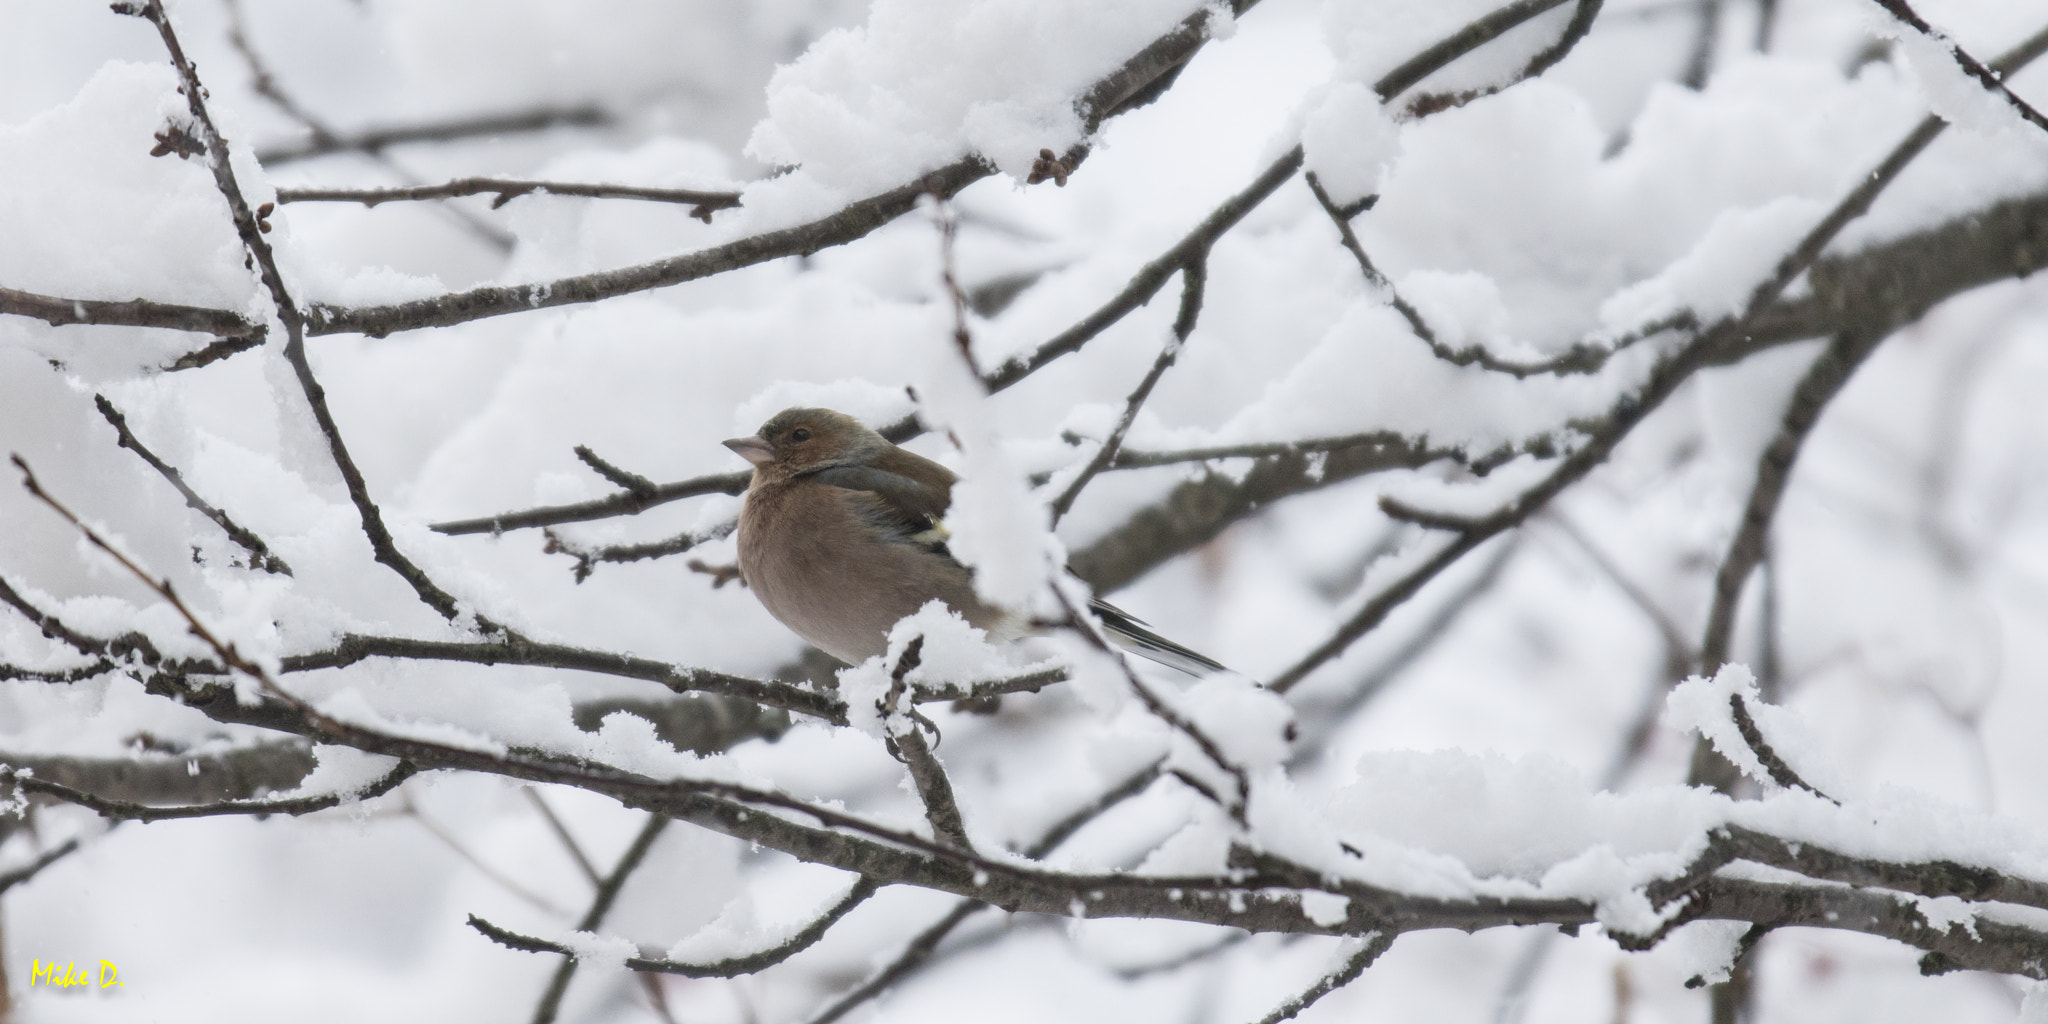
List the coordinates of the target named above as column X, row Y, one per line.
column 818, row 565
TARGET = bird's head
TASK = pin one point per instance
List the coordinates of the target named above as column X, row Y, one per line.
column 797, row 441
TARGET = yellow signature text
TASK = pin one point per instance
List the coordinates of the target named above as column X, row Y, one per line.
column 67, row 975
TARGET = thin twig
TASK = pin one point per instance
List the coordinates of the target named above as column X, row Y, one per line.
column 1992, row 78
column 323, row 133
column 1705, row 40
column 1193, row 275
column 1779, row 770
column 259, row 552
column 1574, row 31
column 162, row 587
column 600, row 905
column 1138, row 291
column 468, row 856
column 1373, row 277
column 787, row 696
column 921, row 948
column 588, row 559
column 1187, row 959
column 10, row 879
column 1149, row 278
column 1373, row 945
column 907, row 744
column 58, row 312
column 624, row 503
column 704, row 202
column 1109, row 96
column 123, row 810
column 1326, row 719
column 288, row 313
column 1090, row 631
column 561, row 831
column 731, row 967
column 376, row 140
column 631, row 482
column 1662, row 382
column 949, row 231
column 1824, row 380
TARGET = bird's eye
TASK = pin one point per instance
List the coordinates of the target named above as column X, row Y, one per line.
column 799, row 434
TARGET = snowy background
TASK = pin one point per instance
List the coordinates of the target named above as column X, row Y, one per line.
column 1486, row 723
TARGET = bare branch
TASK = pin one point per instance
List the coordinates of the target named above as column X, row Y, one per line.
column 1322, row 724
column 926, row 943
column 1354, row 965
column 1373, row 277
column 632, row 482
column 1992, row 78
column 1149, row 278
column 704, row 202
column 625, row 503
column 733, row 967
column 1265, row 899
column 907, row 744
column 122, row 810
column 1568, row 40
column 259, row 552
column 600, row 905
column 246, row 225
column 10, row 879
column 1473, row 36
column 58, row 312
column 160, row 774
column 569, row 844
column 1192, row 276
column 1706, row 38
column 1091, row 631
column 376, row 140
column 1780, row 772
column 1663, row 381
column 356, row 647
column 1106, row 98
column 588, row 559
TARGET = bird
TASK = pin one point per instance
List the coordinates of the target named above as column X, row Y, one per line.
column 842, row 533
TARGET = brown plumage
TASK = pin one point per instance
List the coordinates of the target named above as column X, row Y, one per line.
column 840, row 537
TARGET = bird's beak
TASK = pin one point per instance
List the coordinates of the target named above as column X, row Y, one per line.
column 752, row 449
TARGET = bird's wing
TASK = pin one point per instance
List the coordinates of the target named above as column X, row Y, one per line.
column 1129, row 633
column 911, row 510
column 907, row 509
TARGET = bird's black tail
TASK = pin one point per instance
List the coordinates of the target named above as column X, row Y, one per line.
column 1129, row 632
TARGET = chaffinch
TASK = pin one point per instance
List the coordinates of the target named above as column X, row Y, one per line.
column 841, row 536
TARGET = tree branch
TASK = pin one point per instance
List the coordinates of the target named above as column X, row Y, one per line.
column 10, row 879
column 1354, row 965
column 704, row 202
column 588, row 559
column 1106, row 98
column 259, row 552
column 600, row 905
column 122, row 810
column 1992, row 78
column 1663, row 381
column 1192, row 274
column 58, row 312
column 376, row 140
column 732, row 967
column 1823, row 381
column 907, row 744
column 288, row 313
